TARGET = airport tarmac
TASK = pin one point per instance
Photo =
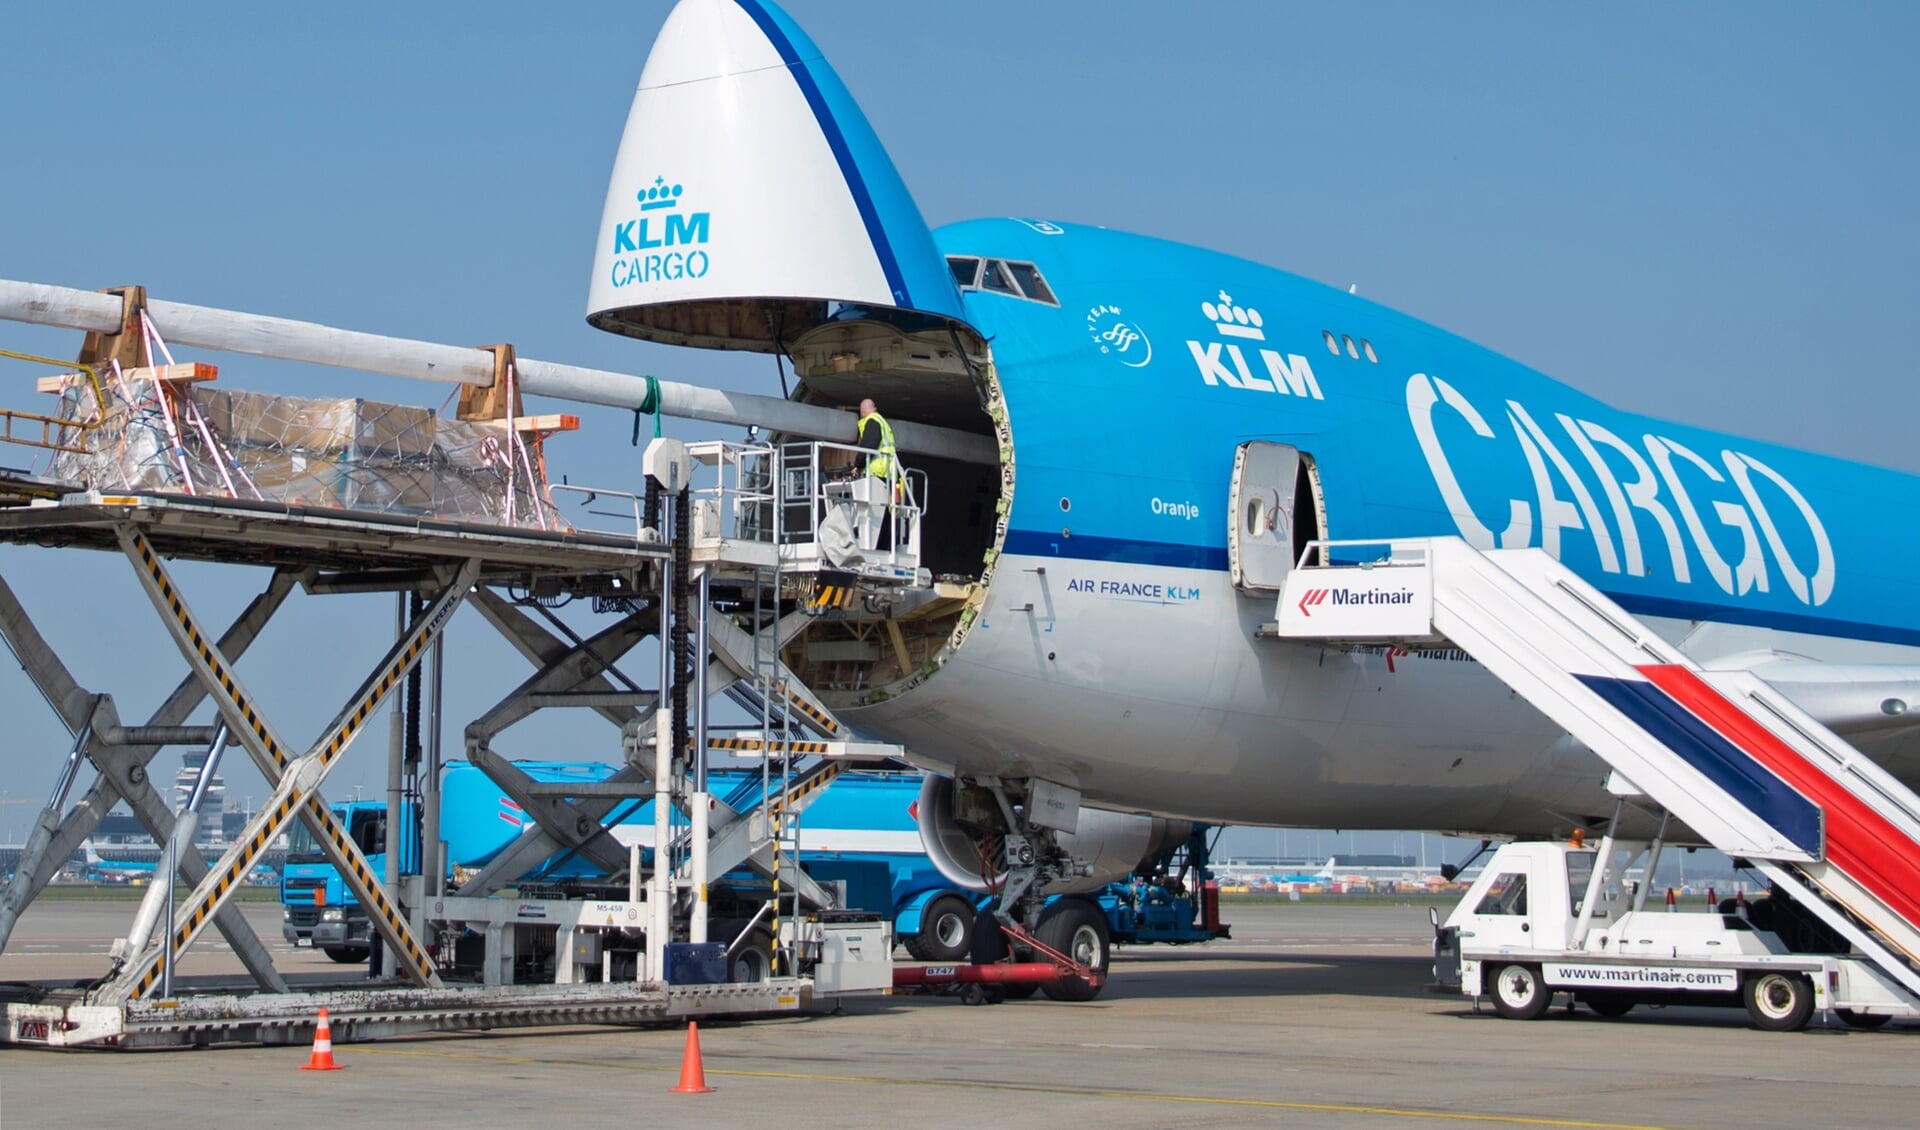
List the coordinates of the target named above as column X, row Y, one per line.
column 1309, row 1016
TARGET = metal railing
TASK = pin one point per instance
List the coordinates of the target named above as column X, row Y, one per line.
column 810, row 501
column 50, row 425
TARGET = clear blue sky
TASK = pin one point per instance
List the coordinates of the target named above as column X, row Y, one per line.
column 1703, row 211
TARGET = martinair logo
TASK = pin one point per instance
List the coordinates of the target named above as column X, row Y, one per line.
column 1314, row 598
column 665, row 242
column 1225, row 363
column 1119, row 338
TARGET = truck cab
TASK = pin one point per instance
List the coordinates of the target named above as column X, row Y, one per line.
column 317, row 908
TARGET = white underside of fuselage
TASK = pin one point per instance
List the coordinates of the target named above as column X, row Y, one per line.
column 1147, row 688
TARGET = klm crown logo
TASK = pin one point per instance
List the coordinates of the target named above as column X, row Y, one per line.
column 642, row 246
column 1225, row 364
column 1234, row 321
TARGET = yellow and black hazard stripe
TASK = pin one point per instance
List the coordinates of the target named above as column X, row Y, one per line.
column 755, row 745
column 207, row 899
column 371, row 894
column 368, row 889
column 222, row 678
column 823, row 597
column 811, row 785
column 370, row 702
column 825, row 720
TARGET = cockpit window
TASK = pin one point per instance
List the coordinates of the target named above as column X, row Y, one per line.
column 1021, row 280
column 996, row 278
column 1031, row 284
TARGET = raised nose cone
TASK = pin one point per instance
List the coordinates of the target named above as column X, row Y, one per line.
column 750, row 192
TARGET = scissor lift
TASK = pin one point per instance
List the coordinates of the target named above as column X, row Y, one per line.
column 694, row 547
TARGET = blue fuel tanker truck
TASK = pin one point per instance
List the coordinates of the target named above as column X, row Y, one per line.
column 859, row 833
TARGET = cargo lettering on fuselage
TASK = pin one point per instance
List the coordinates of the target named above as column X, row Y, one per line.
column 1656, row 489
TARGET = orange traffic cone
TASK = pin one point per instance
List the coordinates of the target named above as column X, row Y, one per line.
column 322, row 1057
column 693, row 1076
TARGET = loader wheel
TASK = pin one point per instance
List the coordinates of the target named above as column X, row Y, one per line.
column 1778, row 1002
column 1078, row 929
column 946, row 926
column 752, row 960
column 1519, row 993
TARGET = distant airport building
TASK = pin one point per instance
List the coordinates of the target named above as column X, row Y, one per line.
column 212, row 831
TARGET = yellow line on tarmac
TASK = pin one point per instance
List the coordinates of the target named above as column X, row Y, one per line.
column 1033, row 1088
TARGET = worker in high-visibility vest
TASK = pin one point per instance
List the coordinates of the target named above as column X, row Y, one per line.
column 876, row 435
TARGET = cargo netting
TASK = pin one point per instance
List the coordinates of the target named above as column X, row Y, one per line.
column 169, row 435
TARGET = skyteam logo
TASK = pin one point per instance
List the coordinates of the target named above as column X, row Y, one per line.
column 665, row 242
column 1224, row 362
column 1118, row 338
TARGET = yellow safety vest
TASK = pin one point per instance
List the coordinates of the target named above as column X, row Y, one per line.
column 881, row 465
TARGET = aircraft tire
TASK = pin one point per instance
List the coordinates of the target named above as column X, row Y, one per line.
column 1778, row 1002
column 1519, row 993
column 946, row 928
column 347, row 955
column 1078, row 929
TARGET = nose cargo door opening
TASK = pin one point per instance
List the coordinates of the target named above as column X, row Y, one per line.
column 751, row 207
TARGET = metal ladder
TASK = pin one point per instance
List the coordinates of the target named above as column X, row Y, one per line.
column 1725, row 752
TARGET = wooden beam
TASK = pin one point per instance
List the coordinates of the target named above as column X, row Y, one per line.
column 185, row 371
column 552, row 422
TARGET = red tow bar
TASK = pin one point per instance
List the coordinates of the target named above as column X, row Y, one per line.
column 999, row 973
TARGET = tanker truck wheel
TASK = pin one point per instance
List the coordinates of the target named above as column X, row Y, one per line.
column 1078, row 929
column 946, row 930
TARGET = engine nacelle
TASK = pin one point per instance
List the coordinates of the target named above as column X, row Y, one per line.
column 1112, row 843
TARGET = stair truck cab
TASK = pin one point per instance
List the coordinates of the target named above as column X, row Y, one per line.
column 1561, row 918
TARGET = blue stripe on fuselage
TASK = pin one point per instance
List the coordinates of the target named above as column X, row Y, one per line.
column 1049, row 543
column 830, row 129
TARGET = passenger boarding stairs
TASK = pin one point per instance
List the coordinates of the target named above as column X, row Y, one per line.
column 1722, row 751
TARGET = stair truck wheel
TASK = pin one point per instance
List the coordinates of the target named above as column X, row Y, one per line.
column 946, row 929
column 1865, row 1021
column 1778, row 1002
column 1078, row 929
column 1608, row 1004
column 1519, row 993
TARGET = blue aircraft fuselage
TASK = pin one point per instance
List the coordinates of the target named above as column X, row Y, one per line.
column 1128, row 399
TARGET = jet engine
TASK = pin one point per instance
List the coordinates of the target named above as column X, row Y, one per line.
column 964, row 832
